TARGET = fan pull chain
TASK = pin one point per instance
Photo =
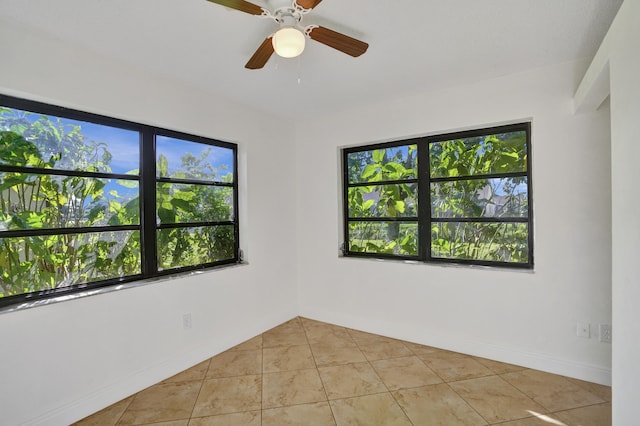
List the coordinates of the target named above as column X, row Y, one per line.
column 299, row 73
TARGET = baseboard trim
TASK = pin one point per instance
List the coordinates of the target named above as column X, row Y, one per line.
column 476, row 347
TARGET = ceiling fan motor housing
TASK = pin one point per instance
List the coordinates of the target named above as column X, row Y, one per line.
column 289, row 40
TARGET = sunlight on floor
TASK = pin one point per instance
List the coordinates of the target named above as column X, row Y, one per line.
column 547, row 418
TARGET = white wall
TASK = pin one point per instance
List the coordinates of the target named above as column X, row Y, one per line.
column 64, row 361
column 618, row 63
column 625, row 131
column 527, row 318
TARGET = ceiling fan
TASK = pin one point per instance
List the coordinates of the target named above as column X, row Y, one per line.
column 289, row 40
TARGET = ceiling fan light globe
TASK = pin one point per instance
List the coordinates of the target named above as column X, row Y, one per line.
column 288, row 42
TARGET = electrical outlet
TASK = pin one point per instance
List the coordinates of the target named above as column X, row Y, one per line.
column 605, row 333
column 583, row 329
column 186, row 321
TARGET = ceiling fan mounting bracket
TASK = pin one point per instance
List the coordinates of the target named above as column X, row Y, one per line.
column 309, row 28
column 286, row 16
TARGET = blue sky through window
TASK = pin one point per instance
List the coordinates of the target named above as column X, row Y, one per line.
column 220, row 159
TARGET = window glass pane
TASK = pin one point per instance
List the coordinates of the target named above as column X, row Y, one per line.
column 180, row 159
column 29, row 201
column 497, row 197
column 399, row 238
column 396, row 200
column 395, row 163
column 37, row 140
column 498, row 153
column 180, row 247
column 500, row 242
column 178, row 203
column 31, row 264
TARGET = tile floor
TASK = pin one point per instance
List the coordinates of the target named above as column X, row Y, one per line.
column 305, row 372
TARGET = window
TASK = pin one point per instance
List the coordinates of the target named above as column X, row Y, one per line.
column 88, row 201
column 475, row 186
column 195, row 203
column 382, row 194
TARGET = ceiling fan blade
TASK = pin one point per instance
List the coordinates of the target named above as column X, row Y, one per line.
column 308, row 4
column 241, row 5
column 261, row 56
column 339, row 41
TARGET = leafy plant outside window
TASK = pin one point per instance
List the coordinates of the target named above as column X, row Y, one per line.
column 463, row 198
column 78, row 194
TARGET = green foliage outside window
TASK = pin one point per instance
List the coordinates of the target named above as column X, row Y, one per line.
column 192, row 203
column 386, row 189
column 43, row 200
column 506, row 196
column 477, row 186
column 38, row 201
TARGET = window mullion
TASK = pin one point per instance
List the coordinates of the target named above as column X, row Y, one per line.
column 148, row 204
column 345, row 201
column 527, row 127
column 424, row 201
column 382, row 183
column 236, row 209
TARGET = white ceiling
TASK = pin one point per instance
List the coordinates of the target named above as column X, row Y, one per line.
column 415, row 45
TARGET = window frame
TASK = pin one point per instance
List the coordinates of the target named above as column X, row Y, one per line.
column 424, row 181
column 345, row 200
column 147, row 183
column 233, row 185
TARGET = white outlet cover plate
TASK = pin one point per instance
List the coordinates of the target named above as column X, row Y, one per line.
column 583, row 330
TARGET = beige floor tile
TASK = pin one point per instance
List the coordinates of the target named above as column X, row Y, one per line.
column 594, row 415
column 284, row 336
column 197, row 372
column 553, row 392
column 346, row 381
column 384, row 350
column 363, row 338
column 247, row 418
column 498, row 367
column 329, row 335
column 435, row 354
column 327, row 355
column 537, row 420
column 162, row 402
column 316, row 414
column 235, row 363
column 600, row 391
column 297, row 322
column 249, row 345
column 379, row 409
column 308, row 323
column 405, row 372
column 437, row 405
column 273, row 379
column 418, row 349
column 107, row 417
column 287, row 358
column 291, row 388
column 229, row 395
column 457, row 368
column 495, row 399
column 291, row 326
